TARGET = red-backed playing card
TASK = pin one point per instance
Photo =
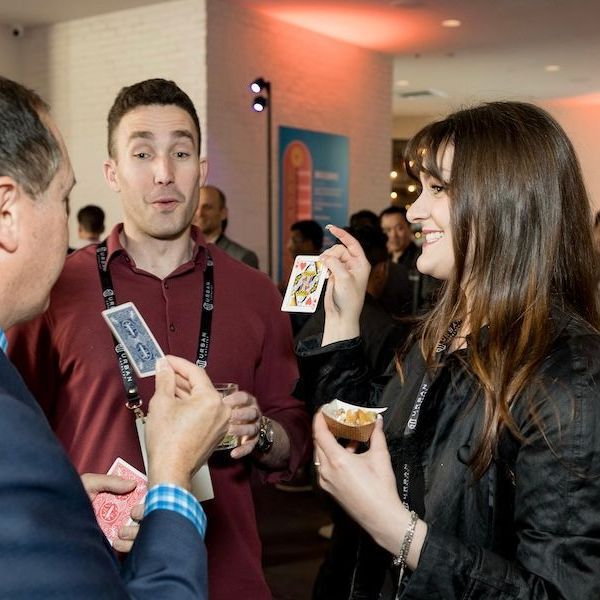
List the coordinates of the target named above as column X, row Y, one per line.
column 112, row 510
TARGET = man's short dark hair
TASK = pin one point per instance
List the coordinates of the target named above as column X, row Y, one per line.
column 310, row 230
column 364, row 218
column 373, row 242
column 394, row 210
column 145, row 93
column 29, row 152
column 91, row 218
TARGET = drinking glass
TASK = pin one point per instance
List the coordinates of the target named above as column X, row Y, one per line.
column 229, row 441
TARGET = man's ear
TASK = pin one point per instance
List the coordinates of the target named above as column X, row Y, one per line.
column 11, row 200
column 111, row 175
column 203, row 163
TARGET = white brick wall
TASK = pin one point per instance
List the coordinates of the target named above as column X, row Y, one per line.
column 79, row 67
column 9, row 53
column 318, row 83
column 582, row 124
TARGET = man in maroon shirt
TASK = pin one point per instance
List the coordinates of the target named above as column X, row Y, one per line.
column 200, row 304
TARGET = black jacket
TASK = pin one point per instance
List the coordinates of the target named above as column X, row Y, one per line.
column 530, row 527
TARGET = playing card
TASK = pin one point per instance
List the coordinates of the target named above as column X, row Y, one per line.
column 134, row 335
column 112, row 510
column 305, row 285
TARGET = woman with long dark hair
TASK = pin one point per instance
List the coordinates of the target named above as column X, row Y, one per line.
column 483, row 481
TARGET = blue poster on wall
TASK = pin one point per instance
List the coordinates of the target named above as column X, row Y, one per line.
column 313, row 183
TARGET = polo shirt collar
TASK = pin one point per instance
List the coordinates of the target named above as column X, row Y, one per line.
column 114, row 246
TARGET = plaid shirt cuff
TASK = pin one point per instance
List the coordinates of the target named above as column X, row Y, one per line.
column 172, row 497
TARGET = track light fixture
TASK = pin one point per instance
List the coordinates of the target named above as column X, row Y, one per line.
column 264, row 103
column 258, row 85
column 260, row 103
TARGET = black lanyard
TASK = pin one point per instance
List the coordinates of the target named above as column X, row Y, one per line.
column 133, row 401
column 411, row 424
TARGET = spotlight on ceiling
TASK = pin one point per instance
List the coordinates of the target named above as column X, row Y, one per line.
column 451, row 23
column 258, row 85
column 259, row 104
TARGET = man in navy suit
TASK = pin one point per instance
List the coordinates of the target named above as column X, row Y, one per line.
column 50, row 543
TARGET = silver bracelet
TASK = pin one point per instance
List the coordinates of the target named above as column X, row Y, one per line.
column 400, row 559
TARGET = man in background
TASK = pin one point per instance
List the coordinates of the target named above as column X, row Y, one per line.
column 91, row 223
column 400, row 244
column 50, row 544
column 211, row 218
column 421, row 293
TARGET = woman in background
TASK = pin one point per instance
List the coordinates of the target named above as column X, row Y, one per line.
column 483, row 481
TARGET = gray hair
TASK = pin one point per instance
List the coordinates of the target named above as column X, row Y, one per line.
column 29, row 152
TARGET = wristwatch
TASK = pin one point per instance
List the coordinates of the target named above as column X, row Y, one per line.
column 265, row 435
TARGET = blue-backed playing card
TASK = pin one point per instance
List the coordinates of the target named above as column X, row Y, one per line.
column 132, row 332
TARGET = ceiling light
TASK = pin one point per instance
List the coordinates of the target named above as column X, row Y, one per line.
column 394, row 195
column 451, row 23
column 394, row 174
column 552, row 68
column 258, row 85
column 412, row 188
column 259, row 104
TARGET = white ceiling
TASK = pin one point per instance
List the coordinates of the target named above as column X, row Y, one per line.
column 500, row 51
column 41, row 12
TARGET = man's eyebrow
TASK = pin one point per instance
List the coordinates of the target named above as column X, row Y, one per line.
column 148, row 135
column 184, row 133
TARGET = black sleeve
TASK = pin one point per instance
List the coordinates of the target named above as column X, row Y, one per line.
column 338, row 370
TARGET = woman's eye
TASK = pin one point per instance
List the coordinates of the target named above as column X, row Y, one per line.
column 437, row 189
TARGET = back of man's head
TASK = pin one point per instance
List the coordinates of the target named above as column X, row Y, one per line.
column 145, row 93
column 373, row 242
column 91, row 219
column 394, row 210
column 29, row 152
column 310, row 231
column 364, row 218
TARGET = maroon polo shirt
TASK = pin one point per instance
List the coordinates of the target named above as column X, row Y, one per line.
column 67, row 359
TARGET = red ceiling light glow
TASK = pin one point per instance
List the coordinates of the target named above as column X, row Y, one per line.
column 384, row 28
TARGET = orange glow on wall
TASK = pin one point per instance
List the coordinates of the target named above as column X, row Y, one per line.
column 592, row 99
column 382, row 28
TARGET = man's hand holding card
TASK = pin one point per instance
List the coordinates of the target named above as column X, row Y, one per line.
column 114, row 510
